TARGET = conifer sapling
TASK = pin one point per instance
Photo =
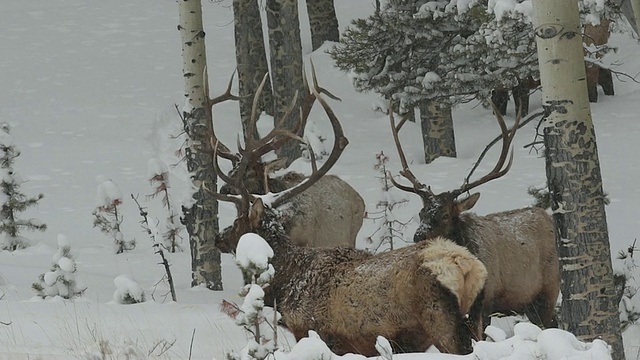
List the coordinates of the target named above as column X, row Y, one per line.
column 61, row 279
column 107, row 216
column 159, row 178
column 12, row 201
column 252, row 255
column 390, row 228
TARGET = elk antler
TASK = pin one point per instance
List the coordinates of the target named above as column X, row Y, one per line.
column 223, row 151
column 499, row 169
column 418, row 187
column 254, row 150
column 339, row 144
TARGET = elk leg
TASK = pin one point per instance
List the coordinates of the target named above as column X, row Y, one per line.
column 606, row 81
column 592, row 82
column 521, row 97
column 541, row 311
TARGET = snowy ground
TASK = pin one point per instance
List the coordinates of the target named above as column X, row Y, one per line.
column 86, row 86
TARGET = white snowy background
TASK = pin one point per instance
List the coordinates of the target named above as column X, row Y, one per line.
column 89, row 89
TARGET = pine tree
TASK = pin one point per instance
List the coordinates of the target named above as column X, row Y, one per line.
column 159, row 178
column 107, row 215
column 11, row 199
column 252, row 255
column 412, row 52
column 390, row 228
column 61, row 279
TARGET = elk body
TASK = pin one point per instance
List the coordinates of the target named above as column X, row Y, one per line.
column 517, row 246
column 329, row 213
column 416, row 296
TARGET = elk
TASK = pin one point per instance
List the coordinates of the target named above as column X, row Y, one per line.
column 517, row 246
column 330, row 213
column 415, row 296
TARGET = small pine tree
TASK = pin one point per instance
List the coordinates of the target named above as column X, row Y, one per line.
column 159, row 178
column 107, row 216
column 12, row 201
column 252, row 255
column 61, row 279
column 390, row 228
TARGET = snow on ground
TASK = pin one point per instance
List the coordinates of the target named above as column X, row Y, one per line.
column 88, row 86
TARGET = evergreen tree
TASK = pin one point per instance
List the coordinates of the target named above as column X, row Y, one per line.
column 159, row 178
column 390, row 228
column 107, row 216
column 12, row 201
column 61, row 279
column 416, row 50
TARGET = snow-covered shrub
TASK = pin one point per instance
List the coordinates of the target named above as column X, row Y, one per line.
column 61, row 279
column 107, row 217
column 630, row 302
column 252, row 255
column 390, row 228
column 12, row 201
column 159, row 177
column 128, row 291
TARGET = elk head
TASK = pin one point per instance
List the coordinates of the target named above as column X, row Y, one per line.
column 248, row 162
column 440, row 213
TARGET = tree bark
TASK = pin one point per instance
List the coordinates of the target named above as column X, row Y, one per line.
column 589, row 308
column 286, row 69
column 251, row 59
column 323, row 22
column 437, row 130
column 201, row 219
column 635, row 6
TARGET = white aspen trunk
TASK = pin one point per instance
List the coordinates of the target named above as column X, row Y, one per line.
column 201, row 219
column 590, row 302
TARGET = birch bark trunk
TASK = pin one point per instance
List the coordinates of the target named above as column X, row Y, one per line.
column 201, row 219
column 589, row 302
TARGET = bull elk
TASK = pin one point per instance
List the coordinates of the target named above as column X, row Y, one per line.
column 330, row 213
column 517, row 246
column 415, row 296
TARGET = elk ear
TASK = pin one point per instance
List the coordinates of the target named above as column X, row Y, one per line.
column 255, row 214
column 468, row 203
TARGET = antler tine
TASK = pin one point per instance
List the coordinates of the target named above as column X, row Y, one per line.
column 226, row 95
column 499, row 169
column 226, row 179
column 224, row 151
column 254, row 109
column 339, row 144
column 418, row 187
column 308, row 102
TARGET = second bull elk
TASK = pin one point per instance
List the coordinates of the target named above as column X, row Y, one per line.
column 329, row 213
column 517, row 246
column 416, row 296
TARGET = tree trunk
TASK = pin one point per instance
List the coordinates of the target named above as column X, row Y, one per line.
column 500, row 98
column 521, row 97
column 635, row 22
column 595, row 35
column 251, row 61
column 323, row 22
column 286, row 69
column 437, row 130
column 201, row 219
column 589, row 307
